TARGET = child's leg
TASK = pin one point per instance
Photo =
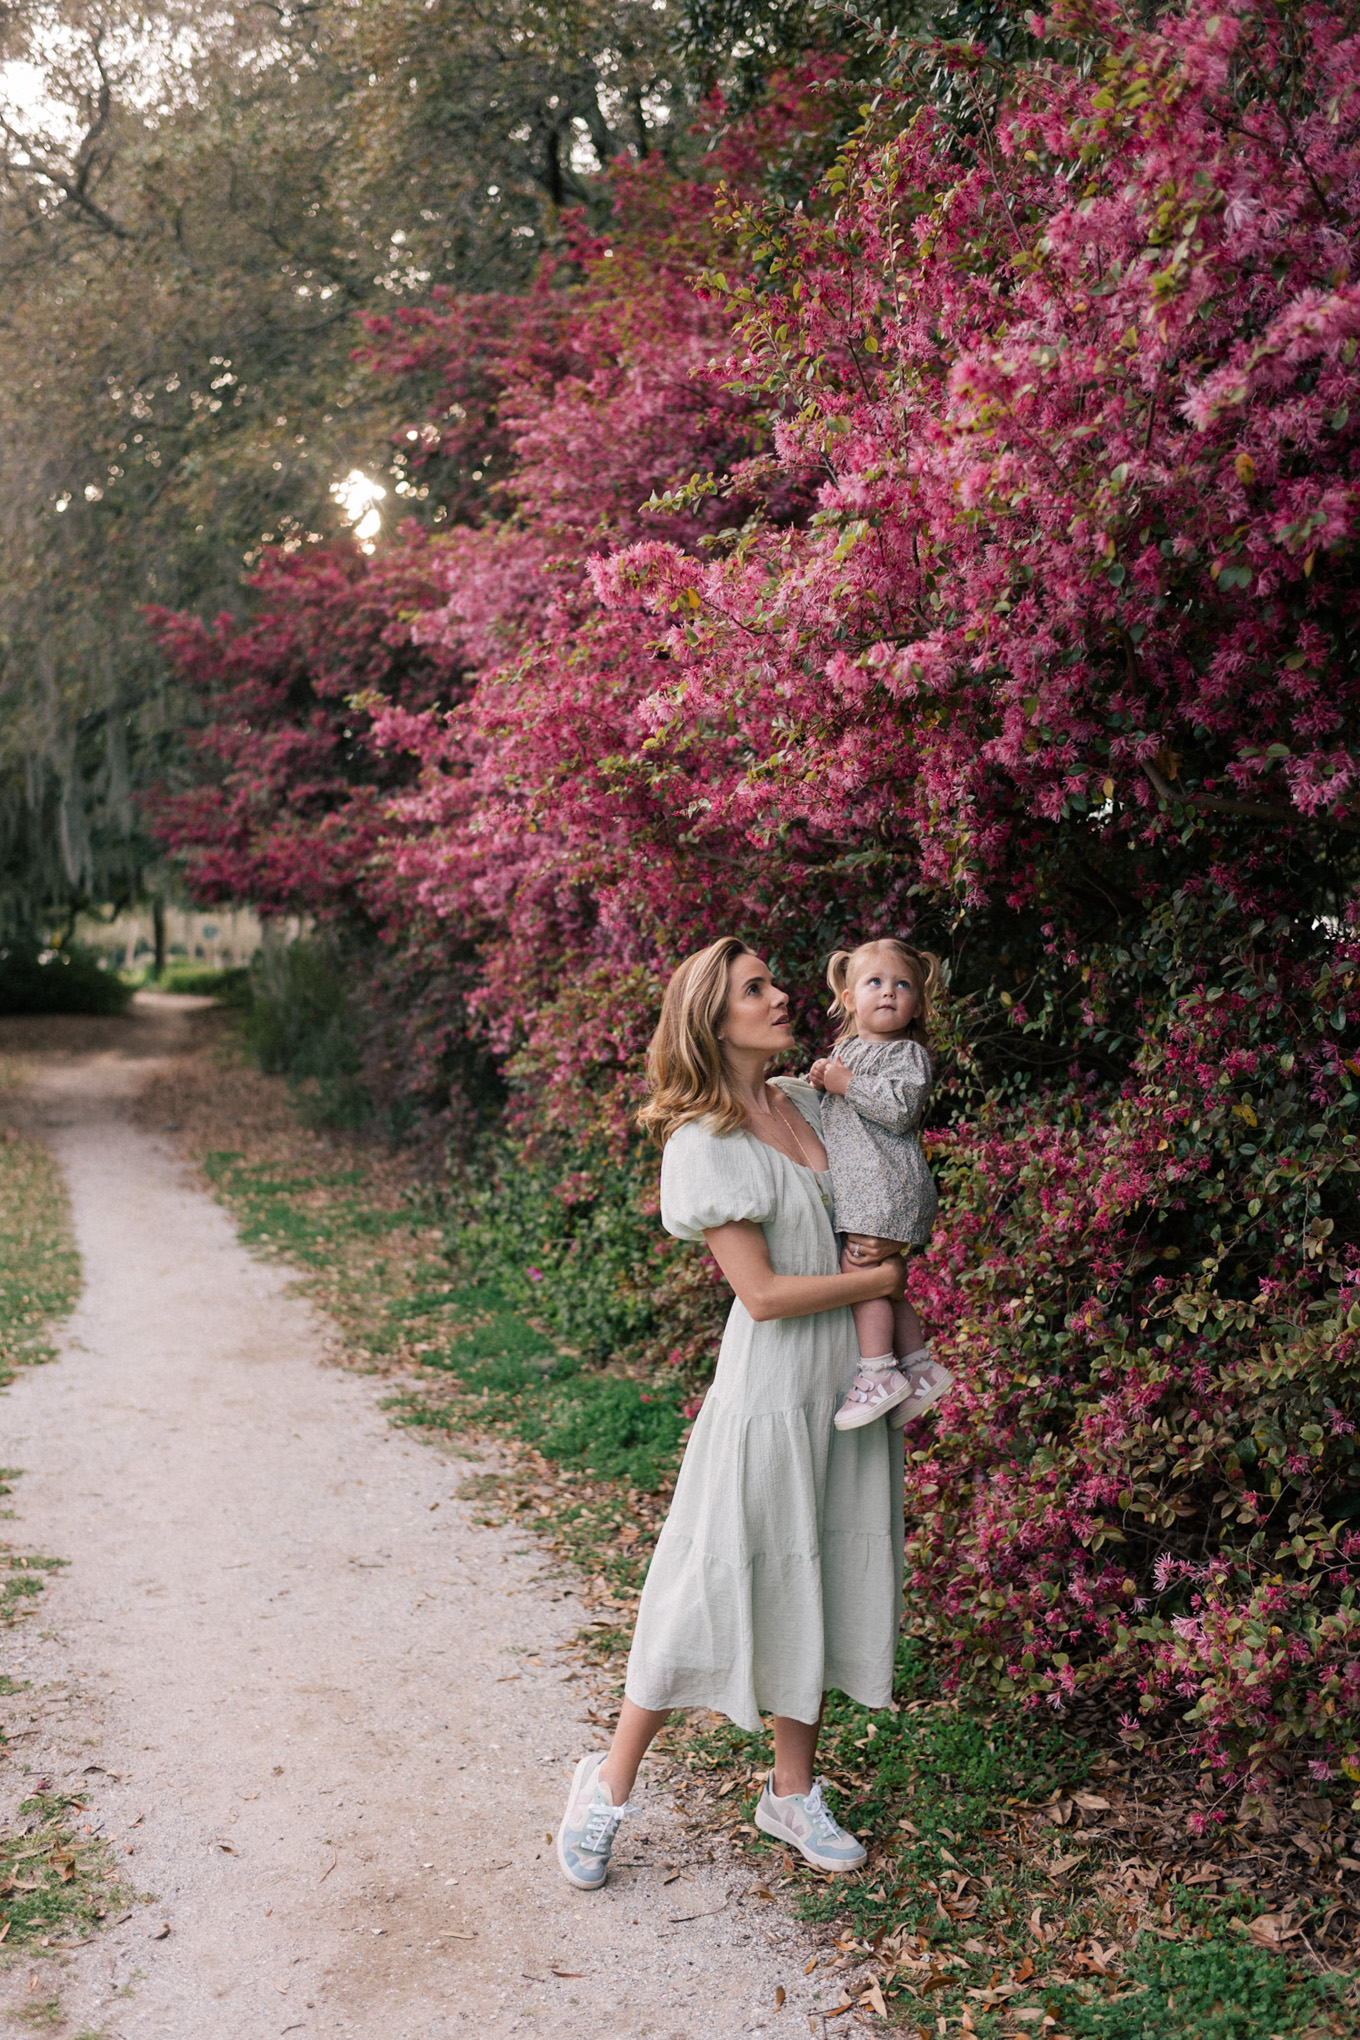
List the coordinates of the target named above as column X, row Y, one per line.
column 927, row 1379
column 878, row 1386
column 907, row 1334
column 873, row 1324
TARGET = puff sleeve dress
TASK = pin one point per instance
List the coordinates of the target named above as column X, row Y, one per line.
column 778, row 1572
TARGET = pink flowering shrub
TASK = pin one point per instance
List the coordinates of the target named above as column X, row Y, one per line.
column 968, row 550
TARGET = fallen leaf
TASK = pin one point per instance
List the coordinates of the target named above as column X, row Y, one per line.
column 162, row 1931
column 1268, row 1930
column 226, row 1846
column 810, row 1966
column 874, row 1996
column 778, row 1996
column 505, row 1681
column 672, row 1877
column 1091, row 1802
column 281, row 1988
column 940, row 1981
column 328, row 1869
column 1025, row 1971
column 1027, row 2011
column 573, row 1975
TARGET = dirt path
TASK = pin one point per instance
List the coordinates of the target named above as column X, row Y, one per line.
column 326, row 1714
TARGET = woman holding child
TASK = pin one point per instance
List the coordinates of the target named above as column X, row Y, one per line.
column 778, row 1572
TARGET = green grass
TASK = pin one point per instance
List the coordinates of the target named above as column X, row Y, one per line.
column 39, row 1266
column 505, row 1375
column 22, row 1580
column 1216, row 1986
column 55, row 1882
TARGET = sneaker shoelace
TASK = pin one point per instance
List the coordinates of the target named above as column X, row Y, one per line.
column 824, row 1825
column 601, row 1825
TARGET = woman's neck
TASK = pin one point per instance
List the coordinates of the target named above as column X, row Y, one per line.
column 746, row 1075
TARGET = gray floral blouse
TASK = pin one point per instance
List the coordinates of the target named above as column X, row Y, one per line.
column 879, row 1176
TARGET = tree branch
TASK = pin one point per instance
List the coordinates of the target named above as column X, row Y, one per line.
column 1252, row 810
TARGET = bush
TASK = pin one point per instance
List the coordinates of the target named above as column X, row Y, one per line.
column 579, row 1244
column 232, row 987
column 298, row 1025
column 38, row 978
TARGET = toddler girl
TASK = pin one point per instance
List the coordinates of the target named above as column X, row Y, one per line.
column 876, row 1087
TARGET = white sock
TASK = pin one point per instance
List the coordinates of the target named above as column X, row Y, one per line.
column 883, row 1364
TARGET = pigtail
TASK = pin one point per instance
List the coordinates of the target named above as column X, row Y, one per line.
column 932, row 991
column 837, row 978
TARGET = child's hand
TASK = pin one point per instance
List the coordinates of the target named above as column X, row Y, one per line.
column 817, row 1074
column 830, row 1075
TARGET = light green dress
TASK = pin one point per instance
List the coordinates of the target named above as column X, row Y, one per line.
column 778, row 1572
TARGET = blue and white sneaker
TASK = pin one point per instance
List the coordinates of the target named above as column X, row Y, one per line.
column 804, row 1820
column 588, row 1827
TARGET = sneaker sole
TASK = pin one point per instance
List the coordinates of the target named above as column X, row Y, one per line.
column 780, row 1834
column 577, row 1883
column 863, row 1413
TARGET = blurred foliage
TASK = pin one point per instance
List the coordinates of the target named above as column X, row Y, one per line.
column 38, row 978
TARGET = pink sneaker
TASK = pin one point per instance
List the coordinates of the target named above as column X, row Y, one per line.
column 927, row 1382
column 876, row 1389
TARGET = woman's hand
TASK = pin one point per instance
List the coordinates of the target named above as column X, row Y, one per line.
column 866, row 1250
column 827, row 1074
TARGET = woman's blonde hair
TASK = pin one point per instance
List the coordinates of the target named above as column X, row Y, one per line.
column 685, row 1071
column 924, row 966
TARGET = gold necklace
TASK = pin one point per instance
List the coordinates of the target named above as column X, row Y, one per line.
column 796, row 1129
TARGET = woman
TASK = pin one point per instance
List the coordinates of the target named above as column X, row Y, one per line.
column 778, row 1572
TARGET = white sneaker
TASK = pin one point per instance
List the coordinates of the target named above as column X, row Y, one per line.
column 589, row 1825
column 876, row 1389
column 804, row 1819
column 927, row 1383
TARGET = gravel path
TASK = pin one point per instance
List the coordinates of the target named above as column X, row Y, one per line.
column 323, row 1714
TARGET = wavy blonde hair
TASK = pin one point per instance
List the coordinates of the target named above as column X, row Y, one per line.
column 924, row 966
column 685, row 1071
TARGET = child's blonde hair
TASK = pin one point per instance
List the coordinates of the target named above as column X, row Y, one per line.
column 924, row 966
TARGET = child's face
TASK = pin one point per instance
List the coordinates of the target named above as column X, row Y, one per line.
column 884, row 996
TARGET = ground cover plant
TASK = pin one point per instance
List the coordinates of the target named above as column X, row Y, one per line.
column 1015, row 1867
column 57, row 1884
column 39, row 1266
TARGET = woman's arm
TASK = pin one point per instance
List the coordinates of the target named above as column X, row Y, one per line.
column 740, row 1251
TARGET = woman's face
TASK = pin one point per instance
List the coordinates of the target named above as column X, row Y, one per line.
column 757, row 1015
